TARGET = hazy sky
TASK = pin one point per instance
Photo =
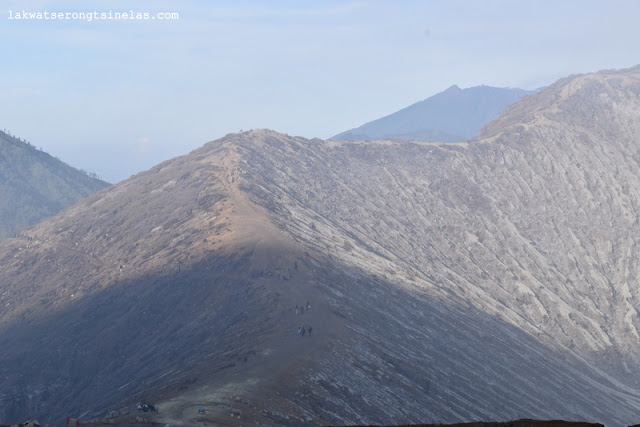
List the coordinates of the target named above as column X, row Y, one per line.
column 117, row 97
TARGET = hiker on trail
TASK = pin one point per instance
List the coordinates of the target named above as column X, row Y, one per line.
column 310, row 329
column 303, row 331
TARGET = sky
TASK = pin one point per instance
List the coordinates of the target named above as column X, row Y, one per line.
column 116, row 97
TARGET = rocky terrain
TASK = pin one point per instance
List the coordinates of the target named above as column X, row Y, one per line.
column 453, row 115
column 35, row 185
column 516, row 423
column 488, row 280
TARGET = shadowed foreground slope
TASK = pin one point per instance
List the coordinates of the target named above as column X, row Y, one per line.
column 489, row 280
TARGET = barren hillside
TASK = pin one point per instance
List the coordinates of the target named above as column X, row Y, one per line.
column 494, row 279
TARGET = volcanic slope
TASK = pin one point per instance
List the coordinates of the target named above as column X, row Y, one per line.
column 35, row 185
column 453, row 115
column 489, row 280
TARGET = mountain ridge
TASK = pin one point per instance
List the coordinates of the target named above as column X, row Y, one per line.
column 489, row 279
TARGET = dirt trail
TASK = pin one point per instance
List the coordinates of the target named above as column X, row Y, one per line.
column 283, row 352
column 263, row 383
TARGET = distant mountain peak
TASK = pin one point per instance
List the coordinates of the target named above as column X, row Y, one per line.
column 450, row 116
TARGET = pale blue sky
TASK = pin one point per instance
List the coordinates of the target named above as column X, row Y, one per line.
column 116, row 98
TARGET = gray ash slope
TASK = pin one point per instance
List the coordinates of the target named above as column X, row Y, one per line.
column 453, row 115
column 493, row 280
column 35, row 185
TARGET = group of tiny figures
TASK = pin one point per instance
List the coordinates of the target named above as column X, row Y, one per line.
column 300, row 309
column 302, row 330
column 146, row 407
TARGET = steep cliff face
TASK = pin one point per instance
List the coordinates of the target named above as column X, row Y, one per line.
column 494, row 279
column 34, row 185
